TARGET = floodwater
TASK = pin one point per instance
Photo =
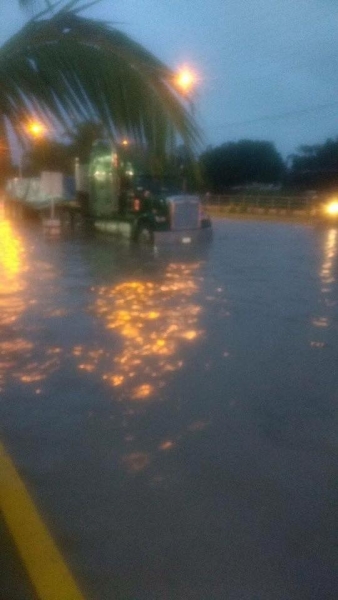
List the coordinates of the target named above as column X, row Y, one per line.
column 174, row 414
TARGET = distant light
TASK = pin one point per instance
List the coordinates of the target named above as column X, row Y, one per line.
column 332, row 208
column 125, row 142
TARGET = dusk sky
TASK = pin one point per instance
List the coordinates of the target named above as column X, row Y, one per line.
column 268, row 69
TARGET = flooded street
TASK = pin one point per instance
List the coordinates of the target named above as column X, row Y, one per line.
column 174, row 414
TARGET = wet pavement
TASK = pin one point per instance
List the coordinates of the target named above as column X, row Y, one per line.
column 174, row 413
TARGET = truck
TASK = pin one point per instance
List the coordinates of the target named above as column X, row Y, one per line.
column 117, row 200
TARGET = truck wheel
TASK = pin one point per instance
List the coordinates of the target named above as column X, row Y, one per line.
column 145, row 235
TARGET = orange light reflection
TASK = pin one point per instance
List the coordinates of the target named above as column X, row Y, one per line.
column 136, row 461
column 11, row 268
column 327, row 276
column 154, row 320
column 330, row 253
column 16, row 353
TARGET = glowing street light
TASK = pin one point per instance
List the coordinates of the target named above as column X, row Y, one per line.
column 36, row 129
column 185, row 80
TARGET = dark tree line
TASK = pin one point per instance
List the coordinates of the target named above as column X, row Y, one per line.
column 247, row 162
column 222, row 168
column 315, row 167
column 241, row 163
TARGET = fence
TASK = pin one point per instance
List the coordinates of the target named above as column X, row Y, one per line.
column 263, row 204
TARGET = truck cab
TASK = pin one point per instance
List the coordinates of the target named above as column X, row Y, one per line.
column 119, row 202
column 170, row 218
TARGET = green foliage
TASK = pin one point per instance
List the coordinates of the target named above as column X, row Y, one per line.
column 241, row 163
column 48, row 155
column 6, row 169
column 315, row 166
column 82, row 137
column 65, row 69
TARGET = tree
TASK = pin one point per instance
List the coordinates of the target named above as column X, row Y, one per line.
column 241, row 163
column 48, row 155
column 66, row 69
column 81, row 139
column 315, row 166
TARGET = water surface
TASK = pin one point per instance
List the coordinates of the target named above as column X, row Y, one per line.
column 174, row 413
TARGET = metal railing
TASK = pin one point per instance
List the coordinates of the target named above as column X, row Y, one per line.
column 262, row 203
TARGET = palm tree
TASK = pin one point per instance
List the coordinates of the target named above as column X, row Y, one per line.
column 66, row 69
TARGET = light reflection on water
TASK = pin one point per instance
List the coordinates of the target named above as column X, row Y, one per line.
column 17, row 360
column 330, row 252
column 12, row 305
column 12, row 265
column 151, row 322
column 154, row 320
column 244, row 462
column 327, row 276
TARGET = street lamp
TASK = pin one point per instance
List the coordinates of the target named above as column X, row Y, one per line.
column 185, row 82
column 185, row 79
column 36, row 130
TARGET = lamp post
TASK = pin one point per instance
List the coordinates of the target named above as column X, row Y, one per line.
column 185, row 83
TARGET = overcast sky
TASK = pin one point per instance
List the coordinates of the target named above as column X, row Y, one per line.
column 268, row 68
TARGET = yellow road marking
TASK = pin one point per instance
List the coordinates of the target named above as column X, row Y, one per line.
column 45, row 566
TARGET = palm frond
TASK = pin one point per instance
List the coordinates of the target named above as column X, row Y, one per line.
column 76, row 69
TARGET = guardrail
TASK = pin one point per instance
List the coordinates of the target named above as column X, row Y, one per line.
column 262, row 204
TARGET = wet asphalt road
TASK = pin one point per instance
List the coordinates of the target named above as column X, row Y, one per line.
column 174, row 414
